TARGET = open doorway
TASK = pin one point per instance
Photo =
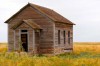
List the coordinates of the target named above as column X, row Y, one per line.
column 24, row 39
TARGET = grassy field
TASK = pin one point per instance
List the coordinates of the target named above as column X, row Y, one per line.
column 84, row 54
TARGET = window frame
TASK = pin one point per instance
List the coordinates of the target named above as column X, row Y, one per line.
column 24, row 31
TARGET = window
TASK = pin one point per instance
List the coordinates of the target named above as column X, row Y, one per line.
column 68, row 37
column 58, row 36
column 64, row 35
column 23, row 30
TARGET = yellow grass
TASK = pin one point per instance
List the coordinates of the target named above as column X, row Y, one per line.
column 84, row 54
column 91, row 47
column 3, row 47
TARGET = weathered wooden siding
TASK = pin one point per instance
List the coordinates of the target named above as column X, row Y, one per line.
column 10, row 37
column 16, row 40
column 59, row 48
column 46, row 37
column 46, row 41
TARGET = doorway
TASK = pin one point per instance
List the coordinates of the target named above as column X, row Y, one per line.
column 24, row 40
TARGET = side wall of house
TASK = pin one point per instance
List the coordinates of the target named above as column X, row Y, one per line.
column 46, row 36
column 10, row 38
column 63, row 47
column 46, row 41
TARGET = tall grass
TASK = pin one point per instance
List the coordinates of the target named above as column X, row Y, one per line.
column 84, row 54
column 90, row 47
column 3, row 47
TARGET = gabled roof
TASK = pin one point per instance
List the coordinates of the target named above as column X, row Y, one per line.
column 46, row 11
column 29, row 22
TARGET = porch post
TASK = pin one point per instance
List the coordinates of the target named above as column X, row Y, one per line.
column 34, row 41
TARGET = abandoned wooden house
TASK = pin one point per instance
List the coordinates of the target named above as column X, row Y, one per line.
column 40, row 30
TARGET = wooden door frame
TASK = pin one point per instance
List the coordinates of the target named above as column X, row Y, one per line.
column 27, row 37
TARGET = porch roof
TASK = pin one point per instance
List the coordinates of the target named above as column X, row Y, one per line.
column 29, row 22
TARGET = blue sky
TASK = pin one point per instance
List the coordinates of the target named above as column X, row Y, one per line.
column 84, row 13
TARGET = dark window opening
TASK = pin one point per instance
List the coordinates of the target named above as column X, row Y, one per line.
column 68, row 33
column 58, row 36
column 68, row 37
column 64, row 34
column 23, row 30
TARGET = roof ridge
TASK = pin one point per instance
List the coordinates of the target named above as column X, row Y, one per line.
column 40, row 6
